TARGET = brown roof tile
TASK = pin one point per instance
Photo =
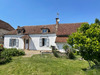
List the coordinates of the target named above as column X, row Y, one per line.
column 4, row 25
column 35, row 29
column 61, row 39
column 67, row 29
column 63, row 29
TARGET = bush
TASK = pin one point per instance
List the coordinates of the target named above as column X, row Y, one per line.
column 69, row 51
column 55, row 53
column 1, row 47
column 7, row 53
column 12, row 52
column 5, row 59
column 71, row 55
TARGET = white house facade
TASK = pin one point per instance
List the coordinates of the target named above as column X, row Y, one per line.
column 40, row 37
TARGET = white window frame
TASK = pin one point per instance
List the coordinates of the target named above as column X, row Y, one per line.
column 44, row 30
column 46, row 42
column 13, row 42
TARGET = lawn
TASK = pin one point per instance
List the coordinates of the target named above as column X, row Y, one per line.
column 46, row 65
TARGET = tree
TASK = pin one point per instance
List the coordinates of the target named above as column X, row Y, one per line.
column 97, row 21
column 87, row 41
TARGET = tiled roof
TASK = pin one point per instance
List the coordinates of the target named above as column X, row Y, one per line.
column 63, row 29
column 67, row 29
column 35, row 29
column 61, row 39
column 6, row 26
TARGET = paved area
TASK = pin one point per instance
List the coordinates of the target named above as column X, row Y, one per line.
column 29, row 53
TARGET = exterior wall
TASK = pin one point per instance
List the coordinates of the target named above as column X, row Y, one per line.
column 60, row 47
column 33, row 41
column 8, row 37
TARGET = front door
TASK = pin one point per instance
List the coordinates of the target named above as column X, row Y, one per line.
column 27, row 44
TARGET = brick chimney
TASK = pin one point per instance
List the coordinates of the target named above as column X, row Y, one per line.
column 57, row 23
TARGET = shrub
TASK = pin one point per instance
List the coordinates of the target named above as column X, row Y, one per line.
column 71, row 55
column 65, row 47
column 69, row 51
column 5, row 59
column 7, row 53
column 21, row 52
column 1, row 47
column 55, row 53
column 12, row 52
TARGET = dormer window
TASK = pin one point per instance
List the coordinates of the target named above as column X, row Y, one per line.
column 44, row 30
column 19, row 31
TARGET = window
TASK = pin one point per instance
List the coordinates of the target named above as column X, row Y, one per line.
column 44, row 31
column 44, row 42
column 19, row 31
column 27, row 41
column 13, row 42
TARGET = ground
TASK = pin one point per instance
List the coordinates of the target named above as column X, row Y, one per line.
column 46, row 65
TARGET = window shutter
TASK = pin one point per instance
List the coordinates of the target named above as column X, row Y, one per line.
column 10, row 42
column 14, row 42
column 17, row 42
column 47, row 42
column 40, row 42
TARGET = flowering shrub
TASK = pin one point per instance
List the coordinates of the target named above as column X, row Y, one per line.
column 1, row 46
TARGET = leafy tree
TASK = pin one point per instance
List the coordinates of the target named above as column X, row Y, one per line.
column 97, row 21
column 87, row 40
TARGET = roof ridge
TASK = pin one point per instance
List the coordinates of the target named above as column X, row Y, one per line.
column 40, row 25
column 55, row 24
column 73, row 23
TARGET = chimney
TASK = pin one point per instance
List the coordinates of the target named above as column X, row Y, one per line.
column 57, row 23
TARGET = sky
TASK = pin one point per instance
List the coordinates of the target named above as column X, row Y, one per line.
column 43, row 12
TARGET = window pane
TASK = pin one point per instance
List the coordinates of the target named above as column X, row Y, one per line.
column 44, row 30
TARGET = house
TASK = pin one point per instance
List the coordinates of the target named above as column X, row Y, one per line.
column 4, row 28
column 40, row 37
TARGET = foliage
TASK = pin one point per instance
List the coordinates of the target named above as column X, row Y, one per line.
column 12, row 52
column 65, row 47
column 4, row 59
column 6, row 54
column 69, row 51
column 55, row 53
column 1, row 47
column 87, row 40
column 97, row 21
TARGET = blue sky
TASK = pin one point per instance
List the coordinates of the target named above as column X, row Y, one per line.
column 43, row 12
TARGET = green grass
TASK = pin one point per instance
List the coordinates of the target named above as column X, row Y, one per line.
column 46, row 65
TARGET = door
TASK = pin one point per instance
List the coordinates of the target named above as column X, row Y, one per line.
column 27, row 44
